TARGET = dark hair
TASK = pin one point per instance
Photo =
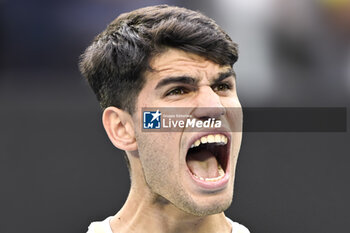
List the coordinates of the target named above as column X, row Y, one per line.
column 116, row 60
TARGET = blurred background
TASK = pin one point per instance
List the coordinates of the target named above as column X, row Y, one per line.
column 58, row 170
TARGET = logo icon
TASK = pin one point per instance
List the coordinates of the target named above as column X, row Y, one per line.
column 151, row 119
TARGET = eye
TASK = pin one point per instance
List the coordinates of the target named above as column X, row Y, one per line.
column 177, row 91
column 222, row 87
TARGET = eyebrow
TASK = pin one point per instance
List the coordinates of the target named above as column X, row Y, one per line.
column 192, row 81
column 224, row 75
column 179, row 79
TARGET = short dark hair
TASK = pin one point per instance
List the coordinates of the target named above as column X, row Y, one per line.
column 115, row 62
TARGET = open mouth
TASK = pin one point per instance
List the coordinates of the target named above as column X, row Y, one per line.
column 207, row 158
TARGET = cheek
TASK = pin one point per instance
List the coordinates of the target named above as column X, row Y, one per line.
column 237, row 140
column 158, row 155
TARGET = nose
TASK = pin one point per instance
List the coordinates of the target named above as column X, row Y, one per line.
column 208, row 104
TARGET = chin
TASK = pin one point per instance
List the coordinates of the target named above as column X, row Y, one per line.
column 210, row 210
column 207, row 206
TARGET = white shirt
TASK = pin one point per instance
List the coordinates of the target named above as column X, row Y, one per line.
column 104, row 227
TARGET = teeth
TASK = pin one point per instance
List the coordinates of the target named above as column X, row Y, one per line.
column 204, row 140
column 212, row 138
column 221, row 175
column 224, row 139
column 218, row 138
column 196, row 143
column 221, row 171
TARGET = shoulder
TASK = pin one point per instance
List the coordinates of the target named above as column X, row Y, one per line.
column 237, row 228
column 100, row 227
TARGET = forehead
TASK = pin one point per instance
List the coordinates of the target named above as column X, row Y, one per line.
column 174, row 61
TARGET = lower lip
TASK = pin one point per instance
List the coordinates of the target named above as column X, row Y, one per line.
column 212, row 185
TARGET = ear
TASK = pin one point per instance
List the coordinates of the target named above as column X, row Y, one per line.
column 120, row 128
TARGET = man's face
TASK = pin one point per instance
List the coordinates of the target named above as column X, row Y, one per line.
column 197, row 180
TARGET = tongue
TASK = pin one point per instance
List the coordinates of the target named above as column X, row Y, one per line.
column 203, row 163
